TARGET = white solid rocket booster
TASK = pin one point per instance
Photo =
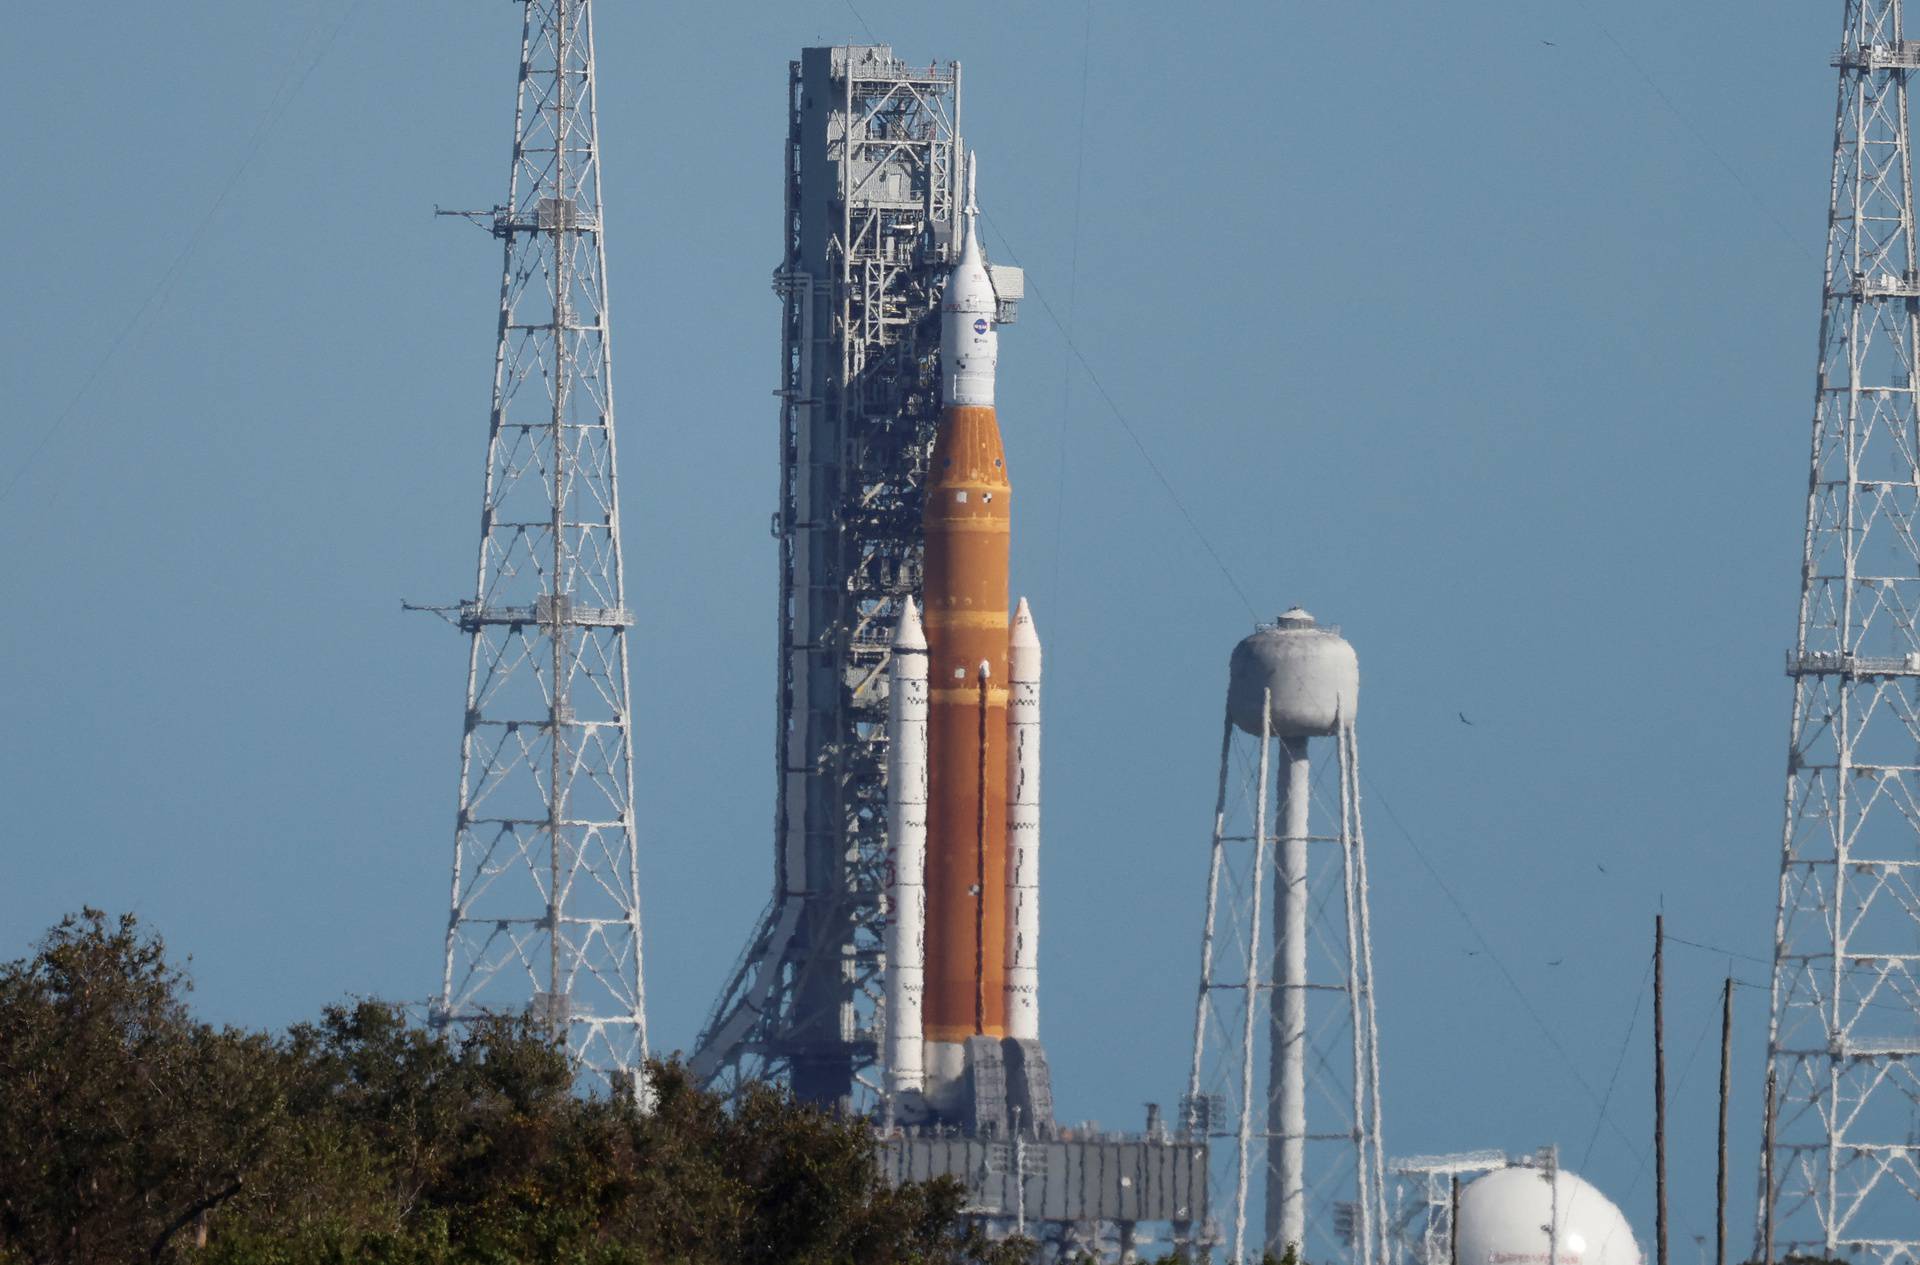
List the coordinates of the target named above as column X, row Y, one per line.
column 1023, row 827
column 907, row 837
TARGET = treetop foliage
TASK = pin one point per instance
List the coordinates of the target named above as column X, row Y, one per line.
column 131, row 1131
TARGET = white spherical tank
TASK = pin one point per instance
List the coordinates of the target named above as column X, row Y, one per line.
column 1312, row 672
column 1504, row 1216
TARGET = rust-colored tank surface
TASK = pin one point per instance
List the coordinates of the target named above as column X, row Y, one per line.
column 965, row 590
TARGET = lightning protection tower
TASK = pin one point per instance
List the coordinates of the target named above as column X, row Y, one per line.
column 545, row 914
column 871, row 193
column 1302, row 1133
column 1844, row 1039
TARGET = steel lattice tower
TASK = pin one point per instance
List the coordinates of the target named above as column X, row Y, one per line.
column 545, row 912
column 1844, row 1040
column 870, row 196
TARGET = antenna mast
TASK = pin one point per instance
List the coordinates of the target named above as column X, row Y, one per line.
column 545, row 914
column 1844, row 1036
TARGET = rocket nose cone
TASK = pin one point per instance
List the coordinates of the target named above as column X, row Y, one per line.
column 1023, row 646
column 908, row 634
column 1024, row 633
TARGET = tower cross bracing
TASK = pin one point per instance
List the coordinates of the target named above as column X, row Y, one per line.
column 545, row 906
column 870, row 197
column 1286, row 961
column 1844, row 1035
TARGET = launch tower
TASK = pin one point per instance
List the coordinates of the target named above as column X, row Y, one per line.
column 872, row 195
column 895, row 971
column 1844, row 1038
column 545, row 913
column 1304, row 1132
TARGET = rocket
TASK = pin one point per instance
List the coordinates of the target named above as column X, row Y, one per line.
column 964, row 790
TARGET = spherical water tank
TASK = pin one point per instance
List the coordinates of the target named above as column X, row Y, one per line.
column 1504, row 1216
column 1312, row 672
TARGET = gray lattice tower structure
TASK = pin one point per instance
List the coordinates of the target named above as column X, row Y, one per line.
column 1285, row 1077
column 870, row 196
column 545, row 913
column 1844, row 1041
column 1421, row 1202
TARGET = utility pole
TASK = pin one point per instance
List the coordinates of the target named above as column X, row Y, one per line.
column 1660, row 1086
column 1726, row 1086
column 1453, row 1223
column 545, row 915
column 1842, row 1037
column 1766, row 1178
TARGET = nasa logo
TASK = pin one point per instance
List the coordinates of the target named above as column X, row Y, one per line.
column 980, row 325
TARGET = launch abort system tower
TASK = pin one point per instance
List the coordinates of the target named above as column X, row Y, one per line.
column 871, row 198
column 545, row 913
column 1844, row 1040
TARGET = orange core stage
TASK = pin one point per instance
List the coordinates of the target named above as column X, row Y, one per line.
column 968, row 527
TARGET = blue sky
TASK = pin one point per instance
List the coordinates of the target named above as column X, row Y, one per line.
column 1485, row 331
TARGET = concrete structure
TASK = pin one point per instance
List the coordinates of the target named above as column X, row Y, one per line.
column 545, row 911
column 1844, row 1038
column 1289, row 682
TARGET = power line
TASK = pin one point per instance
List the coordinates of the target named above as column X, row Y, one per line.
column 1486, row 946
column 1699, row 136
column 1768, row 962
column 1620, row 1063
column 277, row 106
column 1073, row 294
column 1646, row 1152
column 871, row 39
column 1118, row 416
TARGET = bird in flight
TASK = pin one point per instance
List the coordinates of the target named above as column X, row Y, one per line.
column 1556, row 962
column 1463, row 718
column 1549, row 43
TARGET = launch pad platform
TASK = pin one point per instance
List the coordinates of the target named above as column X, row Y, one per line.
column 1073, row 1181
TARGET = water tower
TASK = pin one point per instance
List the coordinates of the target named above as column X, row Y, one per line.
column 1292, row 966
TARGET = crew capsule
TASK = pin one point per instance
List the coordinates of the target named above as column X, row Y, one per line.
column 969, row 346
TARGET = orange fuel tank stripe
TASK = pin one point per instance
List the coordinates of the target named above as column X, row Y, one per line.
column 968, row 529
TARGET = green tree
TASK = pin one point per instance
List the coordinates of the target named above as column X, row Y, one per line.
column 122, row 1120
column 130, row 1130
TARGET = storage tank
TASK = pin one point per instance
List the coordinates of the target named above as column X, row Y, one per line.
column 1312, row 671
column 1504, row 1217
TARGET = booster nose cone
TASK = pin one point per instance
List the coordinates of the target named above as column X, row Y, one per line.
column 1024, row 633
column 908, row 634
column 1023, row 644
